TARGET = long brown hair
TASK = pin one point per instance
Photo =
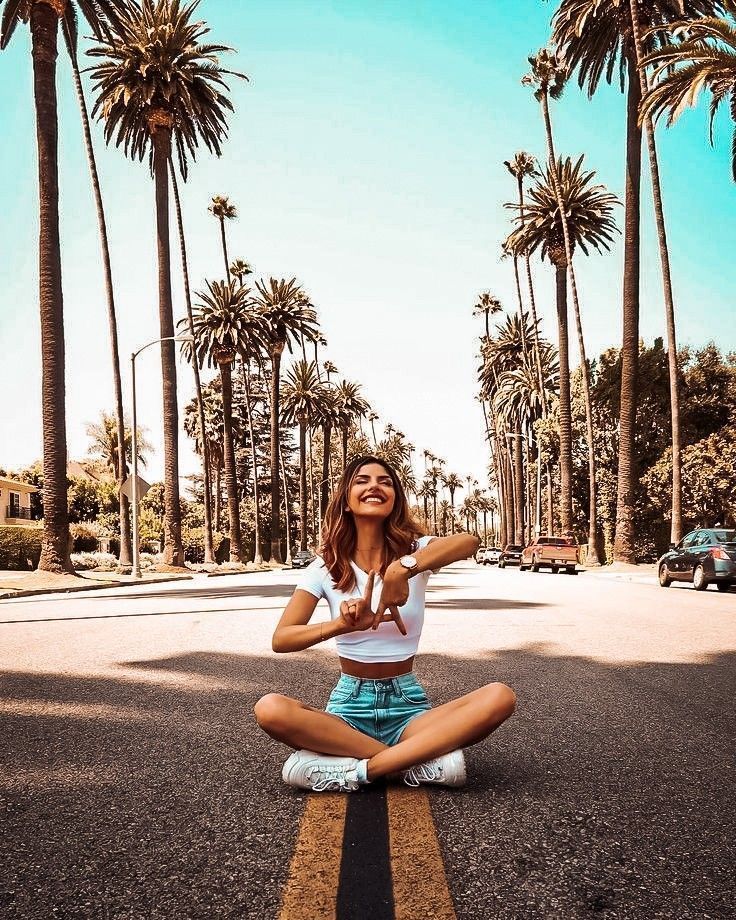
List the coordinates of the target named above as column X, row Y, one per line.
column 339, row 534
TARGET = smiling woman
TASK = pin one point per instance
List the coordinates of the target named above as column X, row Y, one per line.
column 373, row 572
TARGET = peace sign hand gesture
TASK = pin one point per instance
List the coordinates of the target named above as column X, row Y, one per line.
column 356, row 614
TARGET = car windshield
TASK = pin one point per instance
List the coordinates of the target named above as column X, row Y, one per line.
column 514, row 548
column 725, row 536
column 552, row 541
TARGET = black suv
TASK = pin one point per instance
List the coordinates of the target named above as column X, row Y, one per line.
column 702, row 557
column 511, row 555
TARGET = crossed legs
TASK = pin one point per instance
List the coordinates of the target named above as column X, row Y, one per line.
column 446, row 728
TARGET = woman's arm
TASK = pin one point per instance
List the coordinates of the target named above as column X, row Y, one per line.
column 442, row 551
column 294, row 632
column 438, row 552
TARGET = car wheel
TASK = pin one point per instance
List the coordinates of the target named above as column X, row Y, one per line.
column 723, row 586
column 535, row 565
column 554, row 569
column 502, row 565
column 664, row 576
column 700, row 583
column 571, row 570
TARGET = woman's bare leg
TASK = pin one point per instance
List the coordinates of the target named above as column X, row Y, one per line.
column 446, row 728
column 301, row 726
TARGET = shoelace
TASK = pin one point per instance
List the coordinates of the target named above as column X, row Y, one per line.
column 426, row 772
column 331, row 779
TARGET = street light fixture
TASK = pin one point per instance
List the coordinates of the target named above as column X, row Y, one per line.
column 167, row 338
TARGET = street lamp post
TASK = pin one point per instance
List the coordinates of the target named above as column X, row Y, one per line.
column 167, row 338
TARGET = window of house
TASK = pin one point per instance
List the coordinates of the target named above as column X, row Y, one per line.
column 14, row 504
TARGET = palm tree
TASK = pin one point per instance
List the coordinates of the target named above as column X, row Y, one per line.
column 351, row 405
column 548, row 76
column 590, row 223
column 209, row 553
column 407, row 478
column 302, row 397
column 705, row 57
column 104, row 435
column 486, row 306
column 596, row 38
column 43, row 19
column 373, row 418
column 288, row 316
column 158, row 87
column 224, row 324
column 69, row 29
column 222, row 210
column 239, row 269
column 434, row 473
column 452, row 482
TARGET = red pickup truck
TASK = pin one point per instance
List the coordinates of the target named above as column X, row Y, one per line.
column 550, row 552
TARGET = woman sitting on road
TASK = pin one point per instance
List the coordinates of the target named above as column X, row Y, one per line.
column 373, row 573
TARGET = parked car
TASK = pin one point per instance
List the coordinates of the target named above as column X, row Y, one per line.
column 492, row 555
column 702, row 557
column 302, row 559
column 550, row 552
column 511, row 555
column 480, row 555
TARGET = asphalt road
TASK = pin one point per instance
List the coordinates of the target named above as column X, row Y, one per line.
column 135, row 784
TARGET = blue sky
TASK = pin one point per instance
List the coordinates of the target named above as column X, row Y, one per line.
column 365, row 157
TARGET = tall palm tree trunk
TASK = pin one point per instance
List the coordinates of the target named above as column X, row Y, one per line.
column 565, row 413
column 324, row 486
column 218, row 493
column 173, row 551
column 623, row 546
column 122, row 470
column 344, row 445
column 519, row 480
column 55, row 549
column 669, row 303
column 209, row 555
column 276, row 351
column 302, row 483
column 257, row 551
column 287, row 508
column 592, row 554
column 231, row 482
column 312, row 492
column 224, row 249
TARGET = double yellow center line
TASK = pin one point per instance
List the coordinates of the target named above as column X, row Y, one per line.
column 418, row 883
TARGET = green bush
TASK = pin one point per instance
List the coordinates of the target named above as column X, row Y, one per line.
column 84, row 538
column 193, row 542
column 20, row 547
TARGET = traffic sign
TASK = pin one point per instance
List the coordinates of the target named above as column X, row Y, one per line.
column 127, row 488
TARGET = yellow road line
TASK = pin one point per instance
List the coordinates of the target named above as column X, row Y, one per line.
column 420, row 883
column 315, row 867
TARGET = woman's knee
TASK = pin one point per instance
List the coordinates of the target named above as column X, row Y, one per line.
column 271, row 711
column 501, row 699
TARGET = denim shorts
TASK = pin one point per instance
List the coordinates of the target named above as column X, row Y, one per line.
column 379, row 708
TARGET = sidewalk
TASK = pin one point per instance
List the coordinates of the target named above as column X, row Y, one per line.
column 643, row 574
column 28, row 584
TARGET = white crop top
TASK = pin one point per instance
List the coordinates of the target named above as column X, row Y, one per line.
column 385, row 643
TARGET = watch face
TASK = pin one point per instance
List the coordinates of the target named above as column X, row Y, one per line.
column 409, row 562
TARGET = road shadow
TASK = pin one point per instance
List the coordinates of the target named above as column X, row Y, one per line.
column 482, row 603
column 610, row 792
column 209, row 592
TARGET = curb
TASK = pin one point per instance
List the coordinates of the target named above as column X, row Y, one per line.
column 97, row 585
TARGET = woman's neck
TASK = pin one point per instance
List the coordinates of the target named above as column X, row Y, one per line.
column 369, row 543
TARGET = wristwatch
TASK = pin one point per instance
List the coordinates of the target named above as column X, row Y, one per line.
column 410, row 563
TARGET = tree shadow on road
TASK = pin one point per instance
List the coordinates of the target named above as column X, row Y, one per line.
column 610, row 791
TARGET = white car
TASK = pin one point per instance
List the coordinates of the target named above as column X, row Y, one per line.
column 489, row 555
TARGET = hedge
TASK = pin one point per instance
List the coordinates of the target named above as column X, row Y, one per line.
column 20, row 547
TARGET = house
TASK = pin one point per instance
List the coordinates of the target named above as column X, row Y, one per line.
column 15, row 501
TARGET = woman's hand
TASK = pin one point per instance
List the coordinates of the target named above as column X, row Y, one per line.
column 395, row 594
column 356, row 614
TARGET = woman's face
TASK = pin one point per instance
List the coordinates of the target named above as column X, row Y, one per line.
column 371, row 493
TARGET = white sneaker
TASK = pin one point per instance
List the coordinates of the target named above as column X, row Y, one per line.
column 448, row 770
column 320, row 772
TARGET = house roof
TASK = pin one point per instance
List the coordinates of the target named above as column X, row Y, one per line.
column 16, row 486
